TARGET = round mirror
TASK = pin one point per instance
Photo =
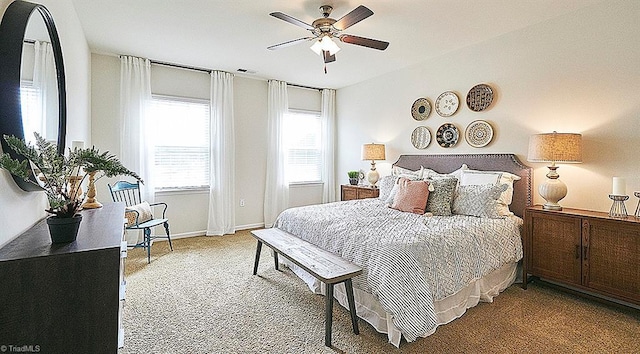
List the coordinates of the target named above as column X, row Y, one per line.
column 41, row 67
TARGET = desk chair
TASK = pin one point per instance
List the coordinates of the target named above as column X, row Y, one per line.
column 139, row 213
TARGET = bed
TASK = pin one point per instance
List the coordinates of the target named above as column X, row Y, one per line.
column 421, row 271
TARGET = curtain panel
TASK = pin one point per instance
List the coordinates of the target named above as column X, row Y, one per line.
column 45, row 80
column 222, row 218
column 276, row 195
column 328, row 117
column 136, row 145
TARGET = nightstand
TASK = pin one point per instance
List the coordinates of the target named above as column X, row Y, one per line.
column 349, row 192
column 584, row 250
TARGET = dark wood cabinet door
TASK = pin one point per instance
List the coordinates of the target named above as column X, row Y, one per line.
column 613, row 257
column 555, row 247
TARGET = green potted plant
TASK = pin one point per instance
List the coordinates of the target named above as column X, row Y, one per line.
column 353, row 177
column 54, row 172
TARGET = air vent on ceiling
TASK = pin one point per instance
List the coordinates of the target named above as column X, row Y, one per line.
column 246, row 71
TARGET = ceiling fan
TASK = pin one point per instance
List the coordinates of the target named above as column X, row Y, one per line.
column 326, row 28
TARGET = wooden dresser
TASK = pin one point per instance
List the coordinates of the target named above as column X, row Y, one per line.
column 349, row 192
column 65, row 298
column 584, row 250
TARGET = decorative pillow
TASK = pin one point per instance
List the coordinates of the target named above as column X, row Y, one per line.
column 144, row 213
column 474, row 177
column 386, row 184
column 411, row 196
column 388, row 199
column 429, row 173
column 404, row 172
column 392, row 194
column 441, row 197
column 479, row 200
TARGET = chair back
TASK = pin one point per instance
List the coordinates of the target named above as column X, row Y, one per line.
column 127, row 192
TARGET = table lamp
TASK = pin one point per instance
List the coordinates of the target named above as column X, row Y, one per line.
column 373, row 152
column 554, row 147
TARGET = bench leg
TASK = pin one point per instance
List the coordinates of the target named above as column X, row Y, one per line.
column 275, row 259
column 352, row 305
column 255, row 264
column 328, row 315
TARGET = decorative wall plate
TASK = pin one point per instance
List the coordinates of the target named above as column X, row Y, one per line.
column 479, row 133
column 447, row 104
column 421, row 137
column 421, row 109
column 479, row 97
column 447, row 135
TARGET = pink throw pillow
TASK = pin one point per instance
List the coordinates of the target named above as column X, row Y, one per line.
column 411, row 196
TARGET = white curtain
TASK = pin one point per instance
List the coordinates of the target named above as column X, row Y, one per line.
column 222, row 218
column 276, row 194
column 328, row 117
column 136, row 145
column 45, row 80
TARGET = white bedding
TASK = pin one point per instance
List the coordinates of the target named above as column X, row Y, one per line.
column 419, row 272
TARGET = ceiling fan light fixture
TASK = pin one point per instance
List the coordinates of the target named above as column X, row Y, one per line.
column 325, row 44
column 317, row 47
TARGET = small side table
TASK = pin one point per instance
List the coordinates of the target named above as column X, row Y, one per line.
column 349, row 192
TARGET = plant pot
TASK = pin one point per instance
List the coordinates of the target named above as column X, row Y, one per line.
column 63, row 230
column 353, row 181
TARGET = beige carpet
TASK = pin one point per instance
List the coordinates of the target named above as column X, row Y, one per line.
column 202, row 298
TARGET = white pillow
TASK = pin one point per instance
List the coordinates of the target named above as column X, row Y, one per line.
column 475, row 177
column 140, row 211
column 404, row 172
column 429, row 173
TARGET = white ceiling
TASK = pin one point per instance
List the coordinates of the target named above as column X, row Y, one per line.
column 232, row 34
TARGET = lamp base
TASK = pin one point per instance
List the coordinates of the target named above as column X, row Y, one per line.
column 549, row 206
column 552, row 190
column 373, row 176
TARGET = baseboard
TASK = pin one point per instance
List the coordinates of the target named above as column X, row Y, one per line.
column 250, row 226
column 185, row 235
column 204, row 232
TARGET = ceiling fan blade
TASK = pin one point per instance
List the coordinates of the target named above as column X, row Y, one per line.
column 289, row 43
column 358, row 14
column 328, row 58
column 365, row 42
column 292, row 20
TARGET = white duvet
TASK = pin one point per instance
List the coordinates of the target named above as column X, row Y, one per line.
column 410, row 261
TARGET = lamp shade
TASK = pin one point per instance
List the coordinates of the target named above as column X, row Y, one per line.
column 373, row 152
column 325, row 44
column 555, row 147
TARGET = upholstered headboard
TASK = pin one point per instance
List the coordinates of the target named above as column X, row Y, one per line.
column 484, row 162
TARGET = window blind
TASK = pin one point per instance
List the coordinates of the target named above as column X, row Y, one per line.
column 302, row 140
column 181, row 142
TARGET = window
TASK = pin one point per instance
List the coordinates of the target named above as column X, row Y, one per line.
column 303, row 143
column 31, row 111
column 181, row 150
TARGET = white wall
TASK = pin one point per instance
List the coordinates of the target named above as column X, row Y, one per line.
column 20, row 210
column 188, row 210
column 576, row 73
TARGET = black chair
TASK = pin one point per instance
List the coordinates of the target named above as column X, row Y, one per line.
column 129, row 193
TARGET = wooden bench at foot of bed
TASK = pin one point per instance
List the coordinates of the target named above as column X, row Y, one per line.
column 325, row 266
